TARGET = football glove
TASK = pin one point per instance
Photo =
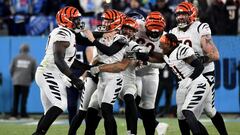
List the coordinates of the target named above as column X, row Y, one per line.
column 94, row 70
column 78, row 83
column 142, row 56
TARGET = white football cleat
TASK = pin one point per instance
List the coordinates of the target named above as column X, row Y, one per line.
column 162, row 128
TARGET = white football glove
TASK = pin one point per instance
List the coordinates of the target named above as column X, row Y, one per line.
column 185, row 83
column 94, row 70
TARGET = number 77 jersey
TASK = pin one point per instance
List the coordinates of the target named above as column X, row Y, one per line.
column 192, row 37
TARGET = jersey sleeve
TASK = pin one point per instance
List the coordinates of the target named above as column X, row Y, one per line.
column 184, row 51
column 204, row 29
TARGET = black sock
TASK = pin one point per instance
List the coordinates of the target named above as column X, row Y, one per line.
column 148, row 118
column 137, row 100
column 76, row 122
column 193, row 123
column 131, row 113
column 109, row 121
column 203, row 129
column 48, row 119
column 218, row 122
column 40, row 121
column 184, row 128
column 92, row 121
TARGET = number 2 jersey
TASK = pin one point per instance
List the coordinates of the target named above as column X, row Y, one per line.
column 192, row 37
column 59, row 34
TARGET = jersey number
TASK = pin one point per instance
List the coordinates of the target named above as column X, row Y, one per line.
column 186, row 42
column 142, row 41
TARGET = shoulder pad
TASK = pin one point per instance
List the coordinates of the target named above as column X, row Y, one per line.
column 184, row 51
column 204, row 29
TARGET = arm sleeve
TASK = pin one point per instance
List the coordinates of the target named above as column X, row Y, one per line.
column 110, row 50
column 198, row 68
column 79, row 65
column 84, row 41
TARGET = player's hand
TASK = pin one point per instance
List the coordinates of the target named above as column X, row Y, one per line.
column 94, row 70
column 142, row 56
column 185, row 83
column 89, row 35
column 78, row 83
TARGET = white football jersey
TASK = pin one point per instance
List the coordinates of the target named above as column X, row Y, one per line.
column 117, row 57
column 114, row 58
column 59, row 34
column 129, row 74
column 192, row 37
column 142, row 39
column 175, row 61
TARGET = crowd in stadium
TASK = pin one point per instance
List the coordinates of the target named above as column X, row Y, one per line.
column 37, row 17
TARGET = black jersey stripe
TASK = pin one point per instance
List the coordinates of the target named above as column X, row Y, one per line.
column 177, row 52
column 134, row 47
column 66, row 31
column 62, row 33
column 182, row 51
column 205, row 25
column 199, row 27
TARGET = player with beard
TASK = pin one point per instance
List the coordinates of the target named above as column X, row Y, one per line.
column 197, row 35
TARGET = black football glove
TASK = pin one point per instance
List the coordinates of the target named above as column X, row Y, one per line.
column 142, row 56
column 78, row 83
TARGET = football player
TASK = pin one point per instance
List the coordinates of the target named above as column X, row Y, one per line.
column 197, row 35
column 110, row 84
column 112, row 22
column 127, row 65
column 59, row 56
column 193, row 87
column 147, row 77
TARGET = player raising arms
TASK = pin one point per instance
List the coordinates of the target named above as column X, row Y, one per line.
column 59, row 56
column 197, row 35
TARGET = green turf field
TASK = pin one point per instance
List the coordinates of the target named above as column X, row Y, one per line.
column 21, row 127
